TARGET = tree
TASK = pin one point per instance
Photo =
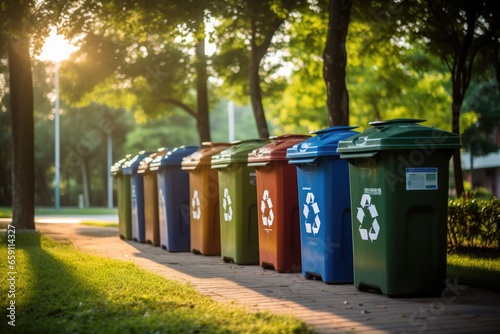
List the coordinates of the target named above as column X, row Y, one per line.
column 457, row 31
column 335, row 62
column 245, row 38
column 157, row 48
column 15, row 41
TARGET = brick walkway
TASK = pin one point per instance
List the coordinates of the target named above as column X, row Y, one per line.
column 328, row 308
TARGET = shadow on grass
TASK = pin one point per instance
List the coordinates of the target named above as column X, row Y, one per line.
column 56, row 297
column 65, row 291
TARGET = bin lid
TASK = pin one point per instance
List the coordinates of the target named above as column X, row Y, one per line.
column 275, row 150
column 116, row 168
column 203, row 157
column 131, row 166
column 397, row 134
column 237, row 153
column 324, row 143
column 172, row 158
column 144, row 165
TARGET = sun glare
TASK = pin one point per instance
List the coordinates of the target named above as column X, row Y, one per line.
column 56, row 48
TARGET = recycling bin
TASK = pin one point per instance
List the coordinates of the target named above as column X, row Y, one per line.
column 204, row 194
column 136, row 196
column 238, row 203
column 151, row 217
column 277, row 204
column 399, row 173
column 324, row 204
column 123, row 198
column 173, row 199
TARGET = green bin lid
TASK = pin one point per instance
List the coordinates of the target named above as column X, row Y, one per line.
column 275, row 150
column 237, row 153
column 203, row 156
column 323, row 144
column 397, row 134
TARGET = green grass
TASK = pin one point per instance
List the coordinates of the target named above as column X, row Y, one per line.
column 100, row 224
column 6, row 212
column 60, row 289
column 481, row 270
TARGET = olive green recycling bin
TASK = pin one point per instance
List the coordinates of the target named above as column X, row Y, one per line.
column 238, row 203
column 123, row 199
column 204, row 190
column 398, row 172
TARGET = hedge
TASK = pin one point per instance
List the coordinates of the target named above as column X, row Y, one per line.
column 474, row 223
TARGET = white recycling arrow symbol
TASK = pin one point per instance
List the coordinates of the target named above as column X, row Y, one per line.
column 372, row 233
column 227, row 205
column 195, row 205
column 312, row 224
column 266, row 208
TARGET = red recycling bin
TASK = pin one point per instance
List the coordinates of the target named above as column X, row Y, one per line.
column 277, row 205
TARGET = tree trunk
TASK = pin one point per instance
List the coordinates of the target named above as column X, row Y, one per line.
column 202, row 119
column 335, row 61
column 256, row 96
column 23, row 146
column 455, row 125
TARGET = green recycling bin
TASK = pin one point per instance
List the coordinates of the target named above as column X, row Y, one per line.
column 238, row 203
column 123, row 198
column 398, row 172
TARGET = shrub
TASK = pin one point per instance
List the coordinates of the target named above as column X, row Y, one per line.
column 473, row 223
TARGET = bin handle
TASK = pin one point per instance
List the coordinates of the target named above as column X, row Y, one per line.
column 259, row 164
column 358, row 155
column 302, row 161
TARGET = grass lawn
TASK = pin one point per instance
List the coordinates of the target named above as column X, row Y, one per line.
column 477, row 269
column 60, row 289
column 6, row 212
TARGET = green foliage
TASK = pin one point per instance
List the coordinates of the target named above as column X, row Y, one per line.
column 62, row 289
column 473, row 223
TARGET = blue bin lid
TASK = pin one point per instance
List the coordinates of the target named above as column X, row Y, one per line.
column 173, row 157
column 132, row 166
column 323, row 144
column 397, row 134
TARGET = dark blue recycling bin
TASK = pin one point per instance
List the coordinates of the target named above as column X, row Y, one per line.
column 324, row 206
column 173, row 199
column 136, row 196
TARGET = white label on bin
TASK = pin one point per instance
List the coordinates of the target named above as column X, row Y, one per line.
column 373, row 191
column 195, row 205
column 266, row 208
column 422, row 178
column 227, row 205
column 367, row 214
column 311, row 212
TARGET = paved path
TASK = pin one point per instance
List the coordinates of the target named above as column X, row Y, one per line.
column 328, row 308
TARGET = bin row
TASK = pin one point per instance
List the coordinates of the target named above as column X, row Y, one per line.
column 339, row 205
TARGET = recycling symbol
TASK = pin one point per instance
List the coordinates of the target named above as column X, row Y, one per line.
column 266, row 208
column 311, row 211
column 227, row 206
column 195, row 205
column 372, row 233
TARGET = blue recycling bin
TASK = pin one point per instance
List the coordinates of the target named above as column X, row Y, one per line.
column 324, row 206
column 136, row 196
column 173, row 199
